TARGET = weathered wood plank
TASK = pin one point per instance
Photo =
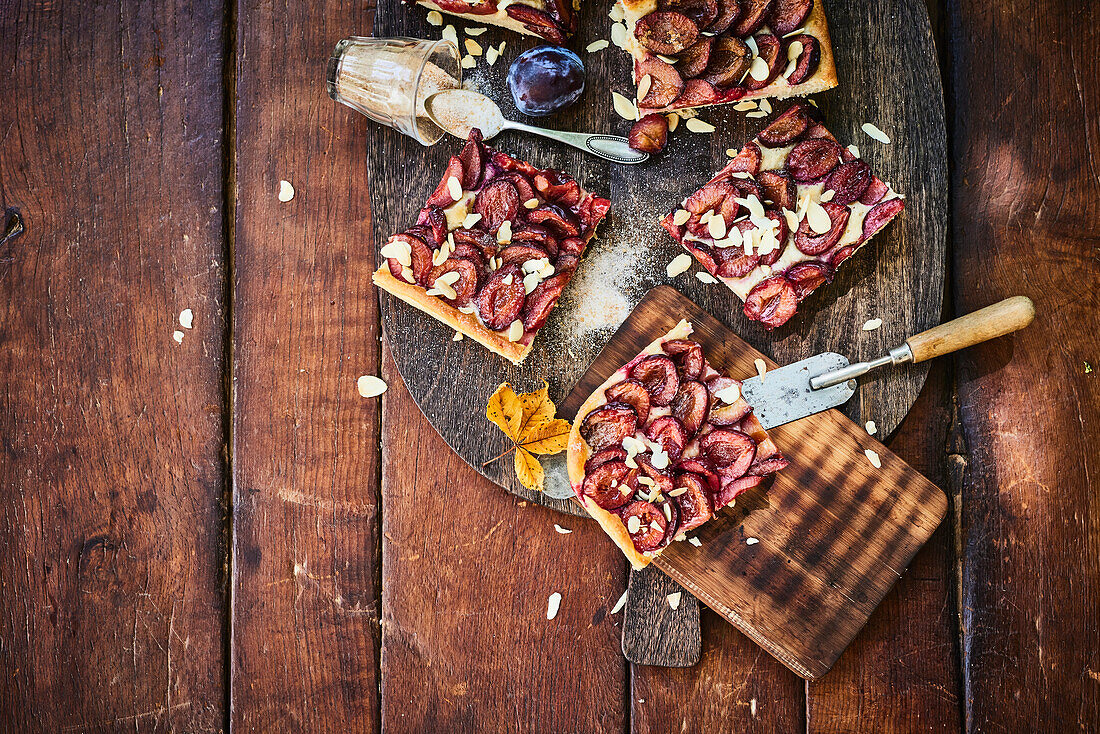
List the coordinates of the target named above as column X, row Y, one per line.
column 1026, row 207
column 469, row 569
column 305, row 592
column 112, row 477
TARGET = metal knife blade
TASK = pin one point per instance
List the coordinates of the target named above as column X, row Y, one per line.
column 784, row 394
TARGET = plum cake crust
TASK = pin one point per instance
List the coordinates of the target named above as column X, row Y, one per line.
column 665, row 443
column 552, row 20
column 781, row 217
column 698, row 53
column 493, row 248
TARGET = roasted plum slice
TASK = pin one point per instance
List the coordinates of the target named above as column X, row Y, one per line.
column 421, row 257
column 670, row 434
column 712, row 197
column 770, row 465
column 603, row 457
column 607, row 426
column 474, row 7
column 808, row 277
column 472, row 156
column 786, row 128
column 730, row 58
column 875, row 191
column 808, row 59
column 721, row 412
column 779, row 189
column 772, row 302
column 696, row 93
column 731, row 488
column 666, row 32
column 558, row 188
column 496, row 202
column 731, row 451
column 771, row 51
column 880, row 214
column 523, row 184
column 468, row 276
column 841, row 254
column 690, row 406
column 436, row 222
column 610, row 484
column 694, row 501
column 540, row 302
column 728, row 12
column 813, row 159
column 556, row 219
column 649, row 134
column 478, row 239
column 747, row 161
column 849, row 181
column 688, row 355
column 501, row 298
column 536, row 21
column 673, row 518
column 701, row 12
column 634, row 394
column 442, row 194
column 649, row 528
column 693, row 59
column 519, row 254
column 787, row 15
column 658, row 374
column 753, row 15
column 661, row 481
column 665, row 83
column 534, row 235
column 812, row 243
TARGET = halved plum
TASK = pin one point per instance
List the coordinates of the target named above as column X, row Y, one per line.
column 730, row 58
column 556, row 219
column 808, row 60
column 421, row 258
column 634, row 394
column 688, row 355
column 728, row 12
column 468, row 276
column 849, row 181
column 658, row 373
column 787, row 15
column 880, row 214
column 694, row 502
column 747, row 160
column 770, row 465
column 666, row 32
column 771, row 51
column 813, row 159
column 665, row 83
column 693, row 59
column 473, row 157
column 607, row 426
column 772, row 302
column 670, row 434
column 501, row 299
column 808, row 277
column 536, row 21
column 753, row 15
column 600, row 458
column 691, row 404
column 778, row 189
column 731, row 488
column 696, row 93
column 731, row 451
column 497, row 201
column 519, row 254
column 701, row 12
column 812, row 243
column 540, row 302
column 442, row 194
column 610, row 485
column 786, row 128
column 651, row 526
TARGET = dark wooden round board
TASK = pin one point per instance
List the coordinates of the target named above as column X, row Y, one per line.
column 888, row 76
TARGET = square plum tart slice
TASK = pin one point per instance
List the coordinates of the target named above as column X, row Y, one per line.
column 552, row 20
column 698, row 53
column 781, row 217
column 493, row 248
column 664, row 444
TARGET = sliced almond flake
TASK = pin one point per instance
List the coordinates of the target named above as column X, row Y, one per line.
column 477, row 31
column 674, row 599
column 187, row 318
column 442, row 289
column 818, row 218
column 617, row 12
column 853, row 150
column 796, row 32
column 759, row 69
column 756, row 115
column 688, row 113
column 178, row 336
column 766, row 270
column 531, row 203
column 500, row 48
column 872, row 429
column 717, row 227
column 468, row 62
column 679, row 264
column 407, row 274
column 515, row 331
column 827, row 196
column 457, row 337
column 533, row 266
column 761, row 368
column 766, row 106
column 473, row 47
column 619, row 34
column 560, row 529
column 791, row 66
column 450, row 34
column 677, row 492
column 599, row 45
column 756, row 209
column 812, row 101
column 553, row 604
column 454, row 188
column 656, row 526
column 286, row 191
column 695, row 542
column 504, row 233
column 794, row 50
column 620, row 603
column 370, row 386
column 731, row 152
column 873, row 457
column 672, row 60
column 680, row 217
column 875, row 134
column 751, row 541
column 872, row 324
column 706, row 216
column 751, row 43
column 506, row 280
column 643, row 86
column 673, row 121
column 792, row 220
column 435, row 18
column 730, row 394
column 659, row 459
column 530, row 282
column 633, row 524
column 491, row 55
column 449, row 278
column 439, row 256
column 679, row 537
column 668, row 512
column 744, row 106
column 624, row 108
column 546, row 271
column 706, row 278
column 699, row 126
column 399, row 250
column 648, row 482
column 467, row 309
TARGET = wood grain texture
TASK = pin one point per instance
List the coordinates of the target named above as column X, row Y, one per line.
column 898, row 279
column 834, row 533
column 653, row 632
column 466, row 645
column 1026, row 222
column 112, row 477
column 306, row 462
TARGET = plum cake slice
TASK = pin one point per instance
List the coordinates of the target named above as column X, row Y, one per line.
column 551, row 20
column 493, row 248
column 664, row 444
column 697, row 53
column 778, row 220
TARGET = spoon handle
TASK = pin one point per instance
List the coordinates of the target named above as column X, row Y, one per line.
column 613, row 148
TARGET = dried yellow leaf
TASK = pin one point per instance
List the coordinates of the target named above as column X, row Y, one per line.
column 529, row 470
column 527, row 419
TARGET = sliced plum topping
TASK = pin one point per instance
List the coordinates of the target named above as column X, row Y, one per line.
column 536, row 21
column 649, row 134
column 808, row 277
column 702, row 253
column 786, row 128
column 875, row 191
column 731, row 488
column 812, row 243
column 571, row 247
column 523, row 184
column 501, row 299
column 603, row 457
column 703, row 469
column 496, row 202
column 535, row 235
column 673, row 518
column 437, row 222
column 730, row 58
column 772, row 302
column 778, row 189
column 813, row 159
column 556, row 219
column 808, row 60
column 473, row 160
column 646, row 525
column 696, row 93
column 607, row 426
column 610, row 484
column 694, row 502
column 770, row 465
column 541, row 301
column 701, row 12
column 693, row 59
column 421, row 257
column 478, row 239
column 466, row 285
column 711, row 197
column 771, row 51
column 666, row 32
column 746, row 161
column 442, row 194
column 721, row 412
column 688, row 355
column 634, row 394
column 781, row 232
column 665, row 83
column 690, row 405
column 880, row 214
column 670, row 434
column 731, row 451
column 519, row 254
column 753, row 15
column 849, row 181
column 841, row 255
column 567, row 264
column 661, row 480
column 734, row 263
column 728, row 12
column 559, row 188
column 658, row 373
column 477, row 7
column 787, row 15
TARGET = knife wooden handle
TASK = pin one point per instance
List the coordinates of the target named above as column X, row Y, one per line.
column 1004, row 317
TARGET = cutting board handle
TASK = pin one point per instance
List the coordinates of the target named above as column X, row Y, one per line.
column 1004, row 317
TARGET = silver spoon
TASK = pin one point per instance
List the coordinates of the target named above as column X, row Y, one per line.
column 458, row 110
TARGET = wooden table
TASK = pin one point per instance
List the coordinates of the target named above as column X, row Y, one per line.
column 206, row 534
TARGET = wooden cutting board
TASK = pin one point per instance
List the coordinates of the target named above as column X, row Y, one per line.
column 834, row 533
